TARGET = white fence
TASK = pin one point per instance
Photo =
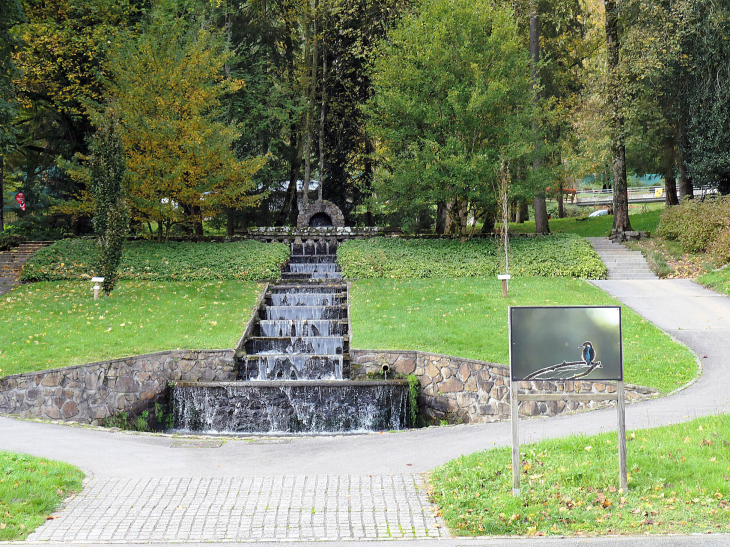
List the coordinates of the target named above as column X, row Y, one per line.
column 636, row 195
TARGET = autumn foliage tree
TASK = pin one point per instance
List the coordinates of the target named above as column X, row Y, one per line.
column 168, row 84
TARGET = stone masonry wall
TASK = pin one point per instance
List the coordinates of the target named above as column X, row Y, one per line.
column 90, row 393
column 470, row 391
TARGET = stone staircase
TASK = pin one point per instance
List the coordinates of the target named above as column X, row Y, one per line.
column 621, row 262
column 12, row 262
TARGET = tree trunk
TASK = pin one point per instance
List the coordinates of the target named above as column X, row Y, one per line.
column 621, row 221
column 290, row 209
column 522, row 212
column 670, row 182
column 441, row 218
column 310, row 40
column 541, row 219
column 685, row 182
column 367, row 177
column 322, row 109
column 561, row 198
column 489, row 219
column 197, row 221
column 230, row 222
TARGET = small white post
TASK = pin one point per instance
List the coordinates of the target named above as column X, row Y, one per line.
column 504, row 278
column 97, row 281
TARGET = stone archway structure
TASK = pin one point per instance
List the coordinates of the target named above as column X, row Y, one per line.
column 317, row 214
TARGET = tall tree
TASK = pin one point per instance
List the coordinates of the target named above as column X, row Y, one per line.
column 182, row 167
column 541, row 216
column 107, row 171
column 449, row 105
column 350, row 34
column 10, row 16
column 621, row 221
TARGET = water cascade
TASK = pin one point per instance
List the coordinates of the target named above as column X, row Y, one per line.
column 294, row 375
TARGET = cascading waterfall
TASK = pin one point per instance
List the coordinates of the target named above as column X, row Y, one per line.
column 294, row 376
column 291, row 407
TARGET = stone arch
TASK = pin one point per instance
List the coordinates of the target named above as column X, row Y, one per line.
column 320, row 210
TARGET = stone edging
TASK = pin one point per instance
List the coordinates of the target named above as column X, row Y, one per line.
column 92, row 392
column 469, row 391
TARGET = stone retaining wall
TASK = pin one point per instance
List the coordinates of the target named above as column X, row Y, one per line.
column 469, row 391
column 90, row 393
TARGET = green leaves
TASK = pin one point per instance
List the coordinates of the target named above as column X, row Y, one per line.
column 108, row 169
column 699, row 226
column 172, row 261
column 451, row 95
column 559, row 255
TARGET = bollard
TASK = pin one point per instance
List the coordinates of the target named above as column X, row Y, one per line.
column 97, row 281
column 504, row 278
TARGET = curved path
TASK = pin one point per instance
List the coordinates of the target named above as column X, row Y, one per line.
column 151, row 488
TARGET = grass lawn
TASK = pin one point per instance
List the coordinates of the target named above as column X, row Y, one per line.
column 594, row 227
column 30, row 489
column 468, row 318
column 55, row 324
column 718, row 280
column 678, row 483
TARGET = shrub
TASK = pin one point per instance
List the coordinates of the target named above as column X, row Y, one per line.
column 558, row 255
column 9, row 241
column 73, row 259
column 696, row 224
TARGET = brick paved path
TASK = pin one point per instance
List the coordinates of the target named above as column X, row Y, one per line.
column 308, row 508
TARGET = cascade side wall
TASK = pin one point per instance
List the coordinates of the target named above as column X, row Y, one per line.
column 471, row 391
column 89, row 393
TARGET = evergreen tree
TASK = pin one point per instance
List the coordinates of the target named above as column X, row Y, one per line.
column 107, row 172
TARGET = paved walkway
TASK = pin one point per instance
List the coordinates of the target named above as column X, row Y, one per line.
column 159, row 489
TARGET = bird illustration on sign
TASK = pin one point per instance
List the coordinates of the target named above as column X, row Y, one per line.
column 571, row 370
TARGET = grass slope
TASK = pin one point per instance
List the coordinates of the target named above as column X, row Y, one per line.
column 468, row 318
column 717, row 280
column 678, row 483
column 50, row 325
column 561, row 255
column 593, row 227
column 30, row 489
column 73, row 259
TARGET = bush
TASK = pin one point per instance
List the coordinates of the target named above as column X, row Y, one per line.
column 73, row 259
column 9, row 241
column 697, row 224
column 558, row 255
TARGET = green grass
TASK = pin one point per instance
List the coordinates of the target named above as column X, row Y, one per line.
column 678, row 483
column 73, row 259
column 561, row 255
column 54, row 324
column 717, row 280
column 30, row 489
column 593, row 227
column 468, row 318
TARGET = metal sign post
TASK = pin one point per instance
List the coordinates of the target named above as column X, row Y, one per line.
column 540, row 337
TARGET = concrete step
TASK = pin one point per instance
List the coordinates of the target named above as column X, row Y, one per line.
column 621, row 263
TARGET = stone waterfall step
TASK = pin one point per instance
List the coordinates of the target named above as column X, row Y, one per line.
column 622, row 263
column 311, row 263
column 295, row 369
column 301, row 332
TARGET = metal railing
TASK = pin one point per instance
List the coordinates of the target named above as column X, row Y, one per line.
column 636, row 195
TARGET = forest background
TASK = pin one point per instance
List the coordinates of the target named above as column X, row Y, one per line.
column 410, row 114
